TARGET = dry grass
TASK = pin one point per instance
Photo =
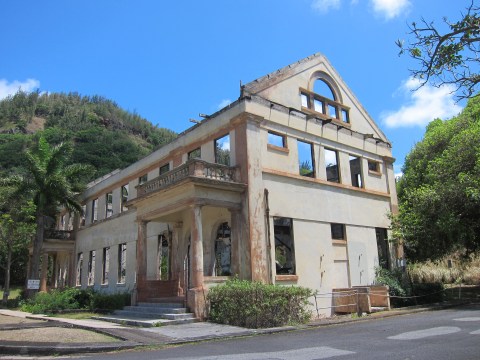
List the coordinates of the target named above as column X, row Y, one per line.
column 462, row 270
column 57, row 335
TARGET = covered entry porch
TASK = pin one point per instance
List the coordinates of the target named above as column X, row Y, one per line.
column 198, row 211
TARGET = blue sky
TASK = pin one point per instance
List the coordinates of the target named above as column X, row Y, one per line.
column 170, row 61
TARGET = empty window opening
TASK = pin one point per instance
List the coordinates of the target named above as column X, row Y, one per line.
column 305, row 99
column 276, row 139
column 373, row 166
column 331, row 165
column 223, row 251
column 222, row 150
column 84, row 211
column 163, row 258
column 338, row 231
column 108, row 205
column 320, row 87
column 122, row 263
column 195, row 154
column 91, row 268
column 62, row 222
column 105, row 265
column 345, row 116
column 333, row 111
column 94, row 210
column 382, row 247
column 124, row 198
column 142, row 179
column 284, row 249
column 79, row 269
column 306, row 165
column 356, row 171
column 164, row 169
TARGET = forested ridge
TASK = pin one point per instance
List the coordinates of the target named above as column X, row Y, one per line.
column 104, row 135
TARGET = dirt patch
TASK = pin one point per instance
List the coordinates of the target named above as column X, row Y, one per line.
column 35, row 125
column 16, row 320
column 55, row 334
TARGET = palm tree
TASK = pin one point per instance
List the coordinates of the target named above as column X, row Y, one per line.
column 51, row 183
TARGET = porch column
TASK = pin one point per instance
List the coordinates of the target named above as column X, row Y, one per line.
column 142, row 252
column 53, row 278
column 44, row 272
column 197, row 247
column 177, row 261
column 237, row 225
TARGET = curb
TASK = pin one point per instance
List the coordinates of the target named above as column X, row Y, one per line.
column 15, row 348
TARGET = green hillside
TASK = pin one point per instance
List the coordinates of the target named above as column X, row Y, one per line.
column 104, row 135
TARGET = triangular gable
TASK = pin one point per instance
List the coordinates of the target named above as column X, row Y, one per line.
column 283, row 86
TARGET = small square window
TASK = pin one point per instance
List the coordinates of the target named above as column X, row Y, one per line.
column 333, row 111
column 276, row 139
column 345, row 116
column 195, row 154
column 164, row 169
column 338, row 231
column 318, row 105
column 373, row 166
column 304, row 98
column 142, row 179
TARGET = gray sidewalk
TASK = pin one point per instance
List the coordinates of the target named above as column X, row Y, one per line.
column 111, row 337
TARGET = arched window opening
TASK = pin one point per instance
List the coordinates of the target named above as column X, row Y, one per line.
column 163, row 258
column 223, row 252
column 320, row 87
column 324, row 99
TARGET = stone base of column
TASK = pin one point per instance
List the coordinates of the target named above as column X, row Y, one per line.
column 196, row 302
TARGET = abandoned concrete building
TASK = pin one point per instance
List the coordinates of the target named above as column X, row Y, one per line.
column 290, row 184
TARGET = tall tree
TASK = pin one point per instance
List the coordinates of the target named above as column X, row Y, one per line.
column 439, row 193
column 51, row 183
column 447, row 53
column 17, row 226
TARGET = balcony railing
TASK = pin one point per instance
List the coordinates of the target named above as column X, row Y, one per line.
column 192, row 168
column 58, row 234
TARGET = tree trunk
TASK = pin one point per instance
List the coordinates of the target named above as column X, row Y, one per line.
column 37, row 250
column 6, row 290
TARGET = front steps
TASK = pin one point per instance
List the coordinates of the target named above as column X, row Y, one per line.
column 148, row 314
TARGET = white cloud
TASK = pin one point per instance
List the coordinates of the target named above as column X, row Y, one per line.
column 224, row 103
column 11, row 88
column 324, row 6
column 390, row 8
column 423, row 105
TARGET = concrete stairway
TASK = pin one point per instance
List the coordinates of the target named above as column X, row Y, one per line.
column 148, row 314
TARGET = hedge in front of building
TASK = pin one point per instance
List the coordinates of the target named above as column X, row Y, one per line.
column 256, row 305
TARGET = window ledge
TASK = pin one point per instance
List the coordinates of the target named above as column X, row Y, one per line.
column 291, row 278
column 278, row 148
column 217, row 279
column 375, row 173
column 339, row 242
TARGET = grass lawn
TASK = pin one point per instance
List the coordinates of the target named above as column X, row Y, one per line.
column 14, row 292
column 75, row 315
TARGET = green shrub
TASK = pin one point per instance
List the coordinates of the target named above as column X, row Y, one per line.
column 397, row 282
column 49, row 302
column 74, row 299
column 109, row 301
column 256, row 305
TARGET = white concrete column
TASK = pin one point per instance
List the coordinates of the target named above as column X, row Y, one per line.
column 197, row 246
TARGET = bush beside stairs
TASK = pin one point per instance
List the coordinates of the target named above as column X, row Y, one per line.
column 148, row 314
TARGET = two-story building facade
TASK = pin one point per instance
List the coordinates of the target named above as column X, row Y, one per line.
column 290, row 184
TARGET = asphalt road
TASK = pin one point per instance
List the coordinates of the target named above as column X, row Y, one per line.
column 443, row 334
